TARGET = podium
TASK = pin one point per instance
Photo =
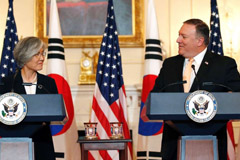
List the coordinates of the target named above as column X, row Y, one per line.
column 170, row 107
column 42, row 108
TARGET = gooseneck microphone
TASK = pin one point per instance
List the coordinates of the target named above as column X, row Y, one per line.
column 209, row 83
column 217, row 84
column 195, row 73
column 39, row 86
column 28, row 84
column 173, row 84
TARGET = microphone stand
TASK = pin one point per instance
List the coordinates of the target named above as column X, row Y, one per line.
column 194, row 70
column 173, row 84
column 39, row 86
column 217, row 84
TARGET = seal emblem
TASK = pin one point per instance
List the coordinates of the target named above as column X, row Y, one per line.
column 201, row 106
column 13, row 108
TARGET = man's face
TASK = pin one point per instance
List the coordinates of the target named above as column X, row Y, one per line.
column 187, row 41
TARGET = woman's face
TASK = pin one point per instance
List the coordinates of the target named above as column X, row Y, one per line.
column 36, row 62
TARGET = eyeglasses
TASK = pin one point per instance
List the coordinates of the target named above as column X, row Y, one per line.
column 39, row 54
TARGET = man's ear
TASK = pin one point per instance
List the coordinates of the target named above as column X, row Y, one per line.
column 200, row 41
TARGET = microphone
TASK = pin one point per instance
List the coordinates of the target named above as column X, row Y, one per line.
column 39, row 86
column 28, row 84
column 173, row 84
column 194, row 70
column 217, row 84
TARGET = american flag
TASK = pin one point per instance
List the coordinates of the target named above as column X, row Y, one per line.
column 109, row 100
column 215, row 45
column 8, row 65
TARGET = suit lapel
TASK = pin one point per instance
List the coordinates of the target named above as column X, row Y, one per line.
column 179, row 70
column 39, row 90
column 18, row 84
column 202, row 70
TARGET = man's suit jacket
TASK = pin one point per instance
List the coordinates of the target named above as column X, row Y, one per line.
column 46, row 85
column 214, row 68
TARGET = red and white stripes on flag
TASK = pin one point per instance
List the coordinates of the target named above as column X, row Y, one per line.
column 109, row 99
column 150, row 133
column 65, row 136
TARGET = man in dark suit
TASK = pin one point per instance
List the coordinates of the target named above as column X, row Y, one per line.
column 192, row 42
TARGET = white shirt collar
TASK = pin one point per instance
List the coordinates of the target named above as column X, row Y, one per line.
column 197, row 62
column 198, row 58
